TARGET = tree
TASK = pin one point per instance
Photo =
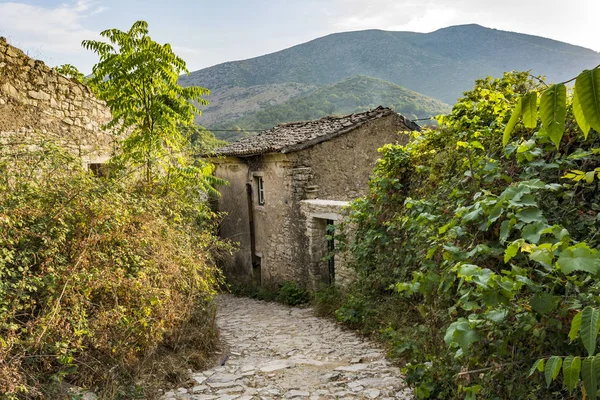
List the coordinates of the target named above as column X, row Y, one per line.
column 71, row 72
column 137, row 77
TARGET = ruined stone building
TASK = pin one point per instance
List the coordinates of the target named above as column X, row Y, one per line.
column 37, row 102
column 289, row 183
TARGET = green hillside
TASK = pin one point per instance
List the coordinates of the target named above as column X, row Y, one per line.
column 440, row 64
column 355, row 94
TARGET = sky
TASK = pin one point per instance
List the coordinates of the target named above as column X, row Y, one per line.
column 210, row 32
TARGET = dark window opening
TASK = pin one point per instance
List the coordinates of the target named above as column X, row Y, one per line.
column 330, row 232
column 260, row 190
column 98, row 169
column 257, row 271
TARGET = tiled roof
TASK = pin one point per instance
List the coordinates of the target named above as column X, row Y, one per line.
column 296, row 136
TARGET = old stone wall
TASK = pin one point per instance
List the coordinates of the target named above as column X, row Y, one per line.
column 302, row 190
column 35, row 100
column 340, row 168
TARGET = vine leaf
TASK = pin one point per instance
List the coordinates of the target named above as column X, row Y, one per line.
column 589, row 329
column 579, row 117
column 553, row 111
column 587, row 87
column 580, row 258
column 571, row 370
column 510, row 126
column 530, row 107
column 552, row 369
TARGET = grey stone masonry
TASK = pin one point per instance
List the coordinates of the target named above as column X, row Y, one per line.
column 36, row 100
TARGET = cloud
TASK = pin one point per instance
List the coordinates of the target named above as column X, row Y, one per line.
column 548, row 18
column 56, row 29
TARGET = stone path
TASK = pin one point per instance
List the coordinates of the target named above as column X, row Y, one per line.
column 279, row 352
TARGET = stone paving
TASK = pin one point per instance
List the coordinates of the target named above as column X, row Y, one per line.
column 279, row 352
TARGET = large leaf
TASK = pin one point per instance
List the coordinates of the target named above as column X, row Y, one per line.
column 587, row 87
column 537, row 365
column 529, row 109
column 579, row 117
column 590, row 376
column 510, row 126
column 552, row 369
column 579, row 258
column 553, row 111
column 530, row 214
column 533, row 232
column 589, row 329
column 575, row 327
column 460, row 332
column 571, row 370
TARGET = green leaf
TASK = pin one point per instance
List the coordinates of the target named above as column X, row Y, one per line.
column 552, row 369
column 589, row 329
column 553, row 111
column 579, row 258
column 511, row 251
column 589, row 376
column 543, row 302
column 579, row 117
column 460, row 332
column 587, row 86
column 528, row 215
column 510, row 126
column 575, row 326
column 571, row 370
column 533, row 232
column 539, row 365
column 529, row 107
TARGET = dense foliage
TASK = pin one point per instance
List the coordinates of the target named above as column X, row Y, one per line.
column 473, row 258
column 96, row 274
column 351, row 95
column 106, row 282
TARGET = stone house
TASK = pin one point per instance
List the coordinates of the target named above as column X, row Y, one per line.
column 37, row 102
column 289, row 183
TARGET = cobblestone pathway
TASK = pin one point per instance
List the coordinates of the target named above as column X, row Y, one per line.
column 278, row 352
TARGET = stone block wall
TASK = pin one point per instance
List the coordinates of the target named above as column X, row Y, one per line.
column 315, row 215
column 35, row 100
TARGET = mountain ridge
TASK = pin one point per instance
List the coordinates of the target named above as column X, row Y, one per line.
column 441, row 64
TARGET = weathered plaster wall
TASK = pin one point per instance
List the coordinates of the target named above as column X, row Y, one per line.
column 235, row 224
column 341, row 167
column 36, row 100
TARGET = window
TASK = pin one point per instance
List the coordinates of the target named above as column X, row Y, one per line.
column 98, row 169
column 260, row 190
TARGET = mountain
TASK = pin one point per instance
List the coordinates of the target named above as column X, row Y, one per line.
column 440, row 64
column 351, row 95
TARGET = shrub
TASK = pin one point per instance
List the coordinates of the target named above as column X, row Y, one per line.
column 488, row 250
column 292, row 294
column 96, row 275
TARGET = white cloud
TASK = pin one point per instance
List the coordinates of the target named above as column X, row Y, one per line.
column 573, row 22
column 42, row 30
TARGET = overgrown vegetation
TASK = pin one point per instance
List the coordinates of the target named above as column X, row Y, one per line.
column 101, row 276
column 473, row 257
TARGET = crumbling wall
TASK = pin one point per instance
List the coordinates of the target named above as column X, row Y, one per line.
column 35, row 100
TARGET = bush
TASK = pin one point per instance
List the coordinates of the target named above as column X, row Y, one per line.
column 489, row 251
column 96, row 275
column 292, row 294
